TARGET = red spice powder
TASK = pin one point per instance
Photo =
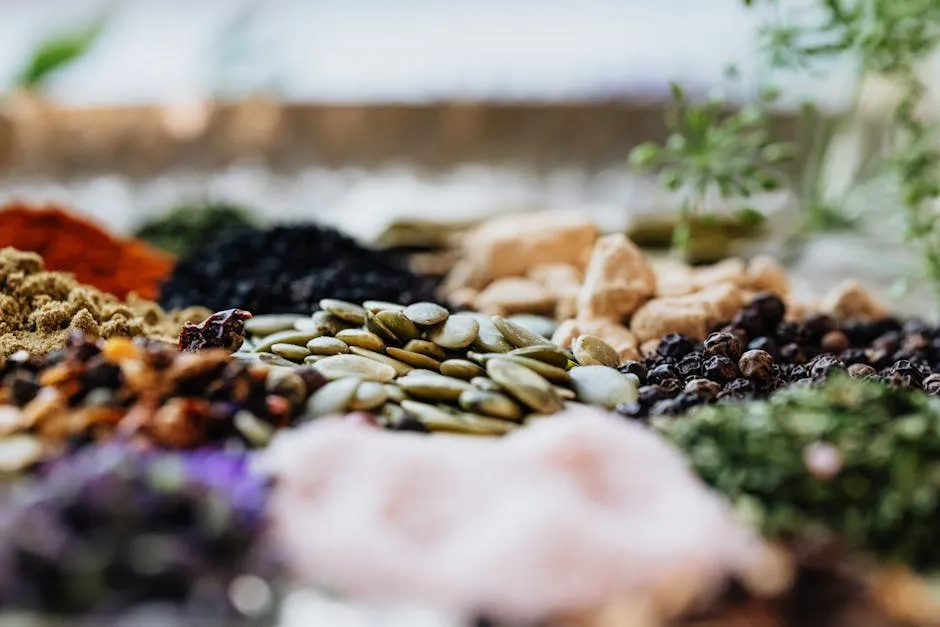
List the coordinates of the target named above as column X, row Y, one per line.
column 71, row 243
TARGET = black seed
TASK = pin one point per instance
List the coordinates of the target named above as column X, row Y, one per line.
column 690, row 365
column 720, row 369
column 758, row 366
column 661, row 373
column 704, row 388
column 824, row 365
column 669, row 387
column 674, row 345
column 635, row 368
column 723, row 344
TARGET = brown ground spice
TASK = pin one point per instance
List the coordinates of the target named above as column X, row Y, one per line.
column 38, row 308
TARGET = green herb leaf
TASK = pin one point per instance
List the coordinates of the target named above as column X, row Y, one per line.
column 57, row 52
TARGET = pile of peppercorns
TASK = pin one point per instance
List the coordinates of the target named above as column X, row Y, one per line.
column 758, row 352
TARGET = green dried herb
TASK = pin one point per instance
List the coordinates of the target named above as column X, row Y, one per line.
column 884, row 495
column 56, row 52
column 189, row 226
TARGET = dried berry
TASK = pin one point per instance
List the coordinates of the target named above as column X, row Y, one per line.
column 224, row 329
column 723, row 344
column 720, row 369
column 758, row 366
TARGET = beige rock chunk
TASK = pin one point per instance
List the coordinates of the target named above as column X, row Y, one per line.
column 464, row 297
column 731, row 270
column 615, row 334
column 648, row 348
column 513, row 295
column 691, row 315
column 850, row 300
column 673, row 278
column 512, row 244
column 564, row 282
column 617, row 281
column 766, row 274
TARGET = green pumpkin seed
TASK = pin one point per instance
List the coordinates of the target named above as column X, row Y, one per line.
column 565, row 394
column 256, row 431
column 376, row 306
column 400, row 367
column 426, row 314
column 369, row 395
column 547, row 353
column 461, row 369
column 518, row 336
column 340, row 366
column 458, row 331
column 593, row 351
column 361, row 338
column 378, row 327
column 600, row 385
column 274, row 360
column 290, row 351
column 332, row 398
column 429, row 349
column 434, row 418
column 530, row 388
column 396, row 322
column 436, row 388
column 489, row 339
column 484, row 425
column 266, row 325
column 485, row 384
column 326, row 345
column 540, row 325
column 394, row 393
column 291, row 336
column 414, row 359
column 497, row 405
column 350, row 312
column 553, row 374
column 392, row 414
column 312, row 359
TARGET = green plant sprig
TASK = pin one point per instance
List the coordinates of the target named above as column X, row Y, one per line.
column 711, row 150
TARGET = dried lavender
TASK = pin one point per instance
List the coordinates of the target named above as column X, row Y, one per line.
column 111, row 528
column 289, row 269
column 858, row 458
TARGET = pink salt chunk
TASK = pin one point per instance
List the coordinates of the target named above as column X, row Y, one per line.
column 558, row 517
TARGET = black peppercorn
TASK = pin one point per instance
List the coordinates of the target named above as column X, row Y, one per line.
column 737, row 388
column 635, row 368
column 903, row 374
column 666, row 407
column 878, row 358
column 815, row 326
column 703, row 388
column 798, row 372
column 723, row 344
column 674, row 345
column 792, row 353
column 648, row 394
column 720, row 369
column 932, row 384
column 687, row 400
column 770, row 307
column 669, row 387
column 764, row 343
column 862, row 371
column 825, row 364
column 690, row 365
column 661, row 373
column 758, row 366
column 853, row 356
column 834, row 342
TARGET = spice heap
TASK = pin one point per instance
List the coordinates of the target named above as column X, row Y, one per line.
column 94, row 389
column 111, row 529
column 38, row 308
column 858, row 458
column 71, row 243
column 288, row 269
column 421, row 367
column 190, row 226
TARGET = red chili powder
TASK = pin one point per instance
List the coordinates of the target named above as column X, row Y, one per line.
column 71, row 243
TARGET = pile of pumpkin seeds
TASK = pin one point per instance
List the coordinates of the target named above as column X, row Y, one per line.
column 462, row 372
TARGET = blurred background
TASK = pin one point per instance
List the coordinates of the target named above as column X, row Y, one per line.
column 417, row 117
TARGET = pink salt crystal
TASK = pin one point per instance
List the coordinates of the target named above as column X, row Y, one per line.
column 822, row 460
column 555, row 518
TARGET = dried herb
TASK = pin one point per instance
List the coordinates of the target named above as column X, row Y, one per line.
column 188, row 226
column 58, row 51
column 856, row 458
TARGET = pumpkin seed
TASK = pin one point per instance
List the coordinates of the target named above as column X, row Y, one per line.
column 312, row 359
column 327, row 345
column 485, row 384
column 436, row 388
column 400, row 367
column 600, row 385
column 461, row 369
column 593, row 351
column 332, row 398
column 392, row 414
column 394, row 393
column 272, row 323
column 434, row 418
column 489, row 339
column 376, row 306
column 549, row 354
column 291, row 336
column 369, row 395
column 290, row 351
column 485, row 425
column 274, row 360
column 414, row 359
column 350, row 312
column 252, row 428
column 378, row 327
column 491, row 404
column 540, row 325
column 458, row 331
column 339, row 366
column 426, row 314
column 361, row 338
column 403, row 328
column 565, row 394
column 530, row 388
column 518, row 336
column 553, row 374
column 424, row 347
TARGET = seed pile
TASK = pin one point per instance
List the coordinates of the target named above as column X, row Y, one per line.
column 98, row 389
column 423, row 368
column 38, row 308
column 111, row 529
column 288, row 269
column 759, row 352
column 857, row 457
